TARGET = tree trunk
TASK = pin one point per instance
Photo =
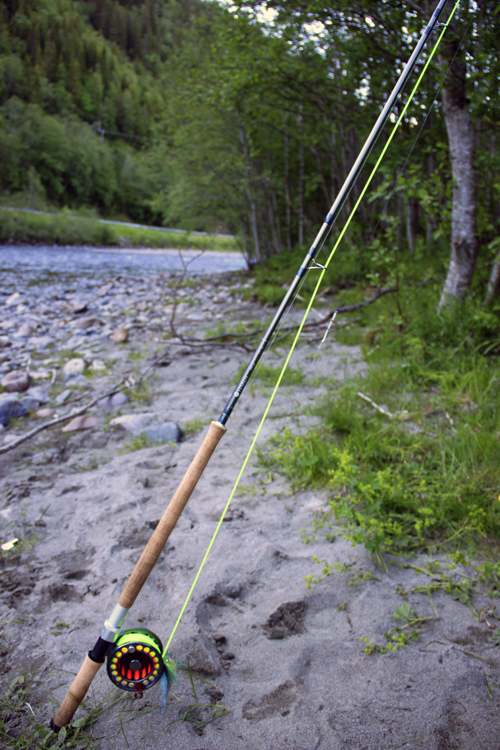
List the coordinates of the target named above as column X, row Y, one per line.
column 288, row 218
column 301, row 177
column 251, row 202
column 464, row 239
column 494, row 282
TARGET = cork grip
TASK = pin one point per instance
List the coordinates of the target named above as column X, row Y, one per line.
column 76, row 693
column 144, row 566
column 152, row 551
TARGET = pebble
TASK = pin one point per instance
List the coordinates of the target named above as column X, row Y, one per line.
column 39, row 393
column 83, row 324
column 98, row 365
column 41, row 342
column 12, row 409
column 83, row 422
column 78, row 306
column 120, row 335
column 44, row 413
column 134, row 423
column 73, row 367
column 13, row 299
column 30, row 403
column 16, row 381
column 113, row 402
column 24, row 331
column 62, row 397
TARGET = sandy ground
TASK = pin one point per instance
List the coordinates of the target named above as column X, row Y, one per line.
column 286, row 662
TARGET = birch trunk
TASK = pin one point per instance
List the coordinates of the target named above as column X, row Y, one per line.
column 251, row 201
column 301, row 177
column 464, row 239
column 494, row 282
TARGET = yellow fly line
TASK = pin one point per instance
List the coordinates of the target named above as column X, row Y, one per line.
column 323, row 270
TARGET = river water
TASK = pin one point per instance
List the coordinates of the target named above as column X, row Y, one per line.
column 39, row 265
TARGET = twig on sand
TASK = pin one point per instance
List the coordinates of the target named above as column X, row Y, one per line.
column 60, row 420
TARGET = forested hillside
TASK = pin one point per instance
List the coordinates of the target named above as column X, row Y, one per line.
column 198, row 116
column 70, row 71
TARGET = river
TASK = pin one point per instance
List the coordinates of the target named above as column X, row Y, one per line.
column 40, row 264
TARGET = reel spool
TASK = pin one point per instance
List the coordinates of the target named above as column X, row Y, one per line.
column 135, row 662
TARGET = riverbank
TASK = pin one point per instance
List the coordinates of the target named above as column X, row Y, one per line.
column 18, row 226
column 272, row 664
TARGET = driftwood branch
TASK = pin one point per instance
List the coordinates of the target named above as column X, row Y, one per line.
column 60, row 420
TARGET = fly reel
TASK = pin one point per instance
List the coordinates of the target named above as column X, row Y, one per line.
column 135, row 662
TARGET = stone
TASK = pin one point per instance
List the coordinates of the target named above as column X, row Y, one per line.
column 84, row 422
column 73, row 367
column 44, row 413
column 73, row 343
column 98, row 365
column 120, row 335
column 24, row 331
column 12, row 409
column 113, row 402
column 78, row 306
column 168, row 432
column 82, row 324
column 13, row 299
column 16, row 381
column 39, row 393
column 62, row 397
column 41, row 342
column 30, row 403
column 134, row 423
column 8, row 324
column 4, row 342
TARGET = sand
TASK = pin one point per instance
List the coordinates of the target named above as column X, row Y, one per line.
column 284, row 664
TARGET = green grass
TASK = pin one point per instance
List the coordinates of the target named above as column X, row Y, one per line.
column 428, row 475
column 66, row 229
column 268, row 375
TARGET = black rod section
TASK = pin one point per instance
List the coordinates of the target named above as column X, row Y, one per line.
column 334, row 212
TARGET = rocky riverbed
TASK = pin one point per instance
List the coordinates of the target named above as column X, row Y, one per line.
column 273, row 665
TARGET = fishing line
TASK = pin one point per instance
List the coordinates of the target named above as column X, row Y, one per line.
column 301, row 326
column 380, row 217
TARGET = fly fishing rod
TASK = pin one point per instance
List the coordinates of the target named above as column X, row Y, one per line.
column 135, row 658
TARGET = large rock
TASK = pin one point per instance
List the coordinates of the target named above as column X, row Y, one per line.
column 12, row 409
column 16, row 381
column 168, row 432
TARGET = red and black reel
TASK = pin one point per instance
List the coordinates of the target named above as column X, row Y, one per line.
column 135, row 662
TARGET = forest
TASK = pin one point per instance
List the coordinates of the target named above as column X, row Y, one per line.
column 209, row 116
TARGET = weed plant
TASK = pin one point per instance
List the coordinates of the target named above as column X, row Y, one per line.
column 426, row 475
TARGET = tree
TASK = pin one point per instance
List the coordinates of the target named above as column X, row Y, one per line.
column 381, row 35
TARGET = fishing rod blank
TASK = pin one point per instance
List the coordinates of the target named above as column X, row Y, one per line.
column 132, row 653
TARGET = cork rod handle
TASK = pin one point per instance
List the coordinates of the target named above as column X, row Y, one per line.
column 144, row 566
column 76, row 693
column 152, row 551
